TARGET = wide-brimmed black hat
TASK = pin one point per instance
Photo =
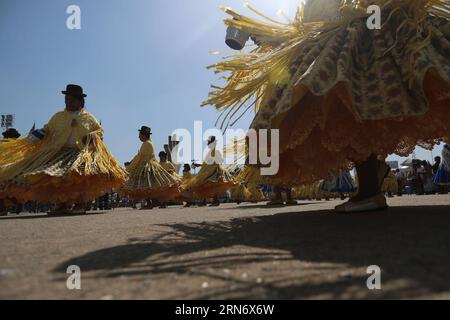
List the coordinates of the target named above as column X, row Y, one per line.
column 211, row 139
column 145, row 130
column 11, row 133
column 74, row 90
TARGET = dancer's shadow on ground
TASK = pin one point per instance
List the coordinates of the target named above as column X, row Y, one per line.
column 410, row 243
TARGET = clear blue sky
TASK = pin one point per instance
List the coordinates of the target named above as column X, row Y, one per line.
column 141, row 62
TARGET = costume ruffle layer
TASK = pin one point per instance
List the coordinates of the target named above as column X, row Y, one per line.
column 211, row 181
column 311, row 191
column 323, row 128
column 249, row 179
column 245, row 193
column 68, row 176
column 240, row 194
column 354, row 93
column 151, row 181
column 251, row 176
column 254, row 194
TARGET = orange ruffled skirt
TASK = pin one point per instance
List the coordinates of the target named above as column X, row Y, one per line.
column 60, row 181
column 211, row 181
column 353, row 94
column 152, row 181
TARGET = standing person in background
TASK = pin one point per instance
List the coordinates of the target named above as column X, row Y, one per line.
column 435, row 168
column 417, row 180
column 186, row 176
column 427, row 177
column 437, row 163
column 400, row 181
column 442, row 177
column 187, row 172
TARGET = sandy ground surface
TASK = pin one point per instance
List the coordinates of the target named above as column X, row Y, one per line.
column 231, row 252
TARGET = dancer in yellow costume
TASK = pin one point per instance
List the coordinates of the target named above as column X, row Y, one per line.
column 187, row 172
column 390, row 184
column 170, row 168
column 148, row 180
column 10, row 133
column 65, row 163
column 213, row 180
column 341, row 92
column 166, row 164
column 240, row 193
column 187, row 175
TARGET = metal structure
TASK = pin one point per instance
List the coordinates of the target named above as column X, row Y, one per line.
column 7, row 121
column 170, row 149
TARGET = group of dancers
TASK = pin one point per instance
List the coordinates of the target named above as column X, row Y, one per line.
column 342, row 96
column 67, row 163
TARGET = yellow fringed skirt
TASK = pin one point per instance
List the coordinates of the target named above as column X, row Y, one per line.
column 390, row 184
column 249, row 178
column 254, row 194
column 61, row 180
column 152, row 181
column 211, row 181
column 240, row 194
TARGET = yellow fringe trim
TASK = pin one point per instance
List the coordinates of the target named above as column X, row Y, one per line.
column 252, row 75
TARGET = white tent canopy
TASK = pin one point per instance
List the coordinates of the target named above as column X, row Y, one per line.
column 407, row 163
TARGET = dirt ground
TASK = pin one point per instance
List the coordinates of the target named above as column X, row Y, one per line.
column 231, row 252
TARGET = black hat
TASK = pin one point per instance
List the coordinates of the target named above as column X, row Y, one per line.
column 11, row 133
column 211, row 139
column 145, row 130
column 74, row 90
